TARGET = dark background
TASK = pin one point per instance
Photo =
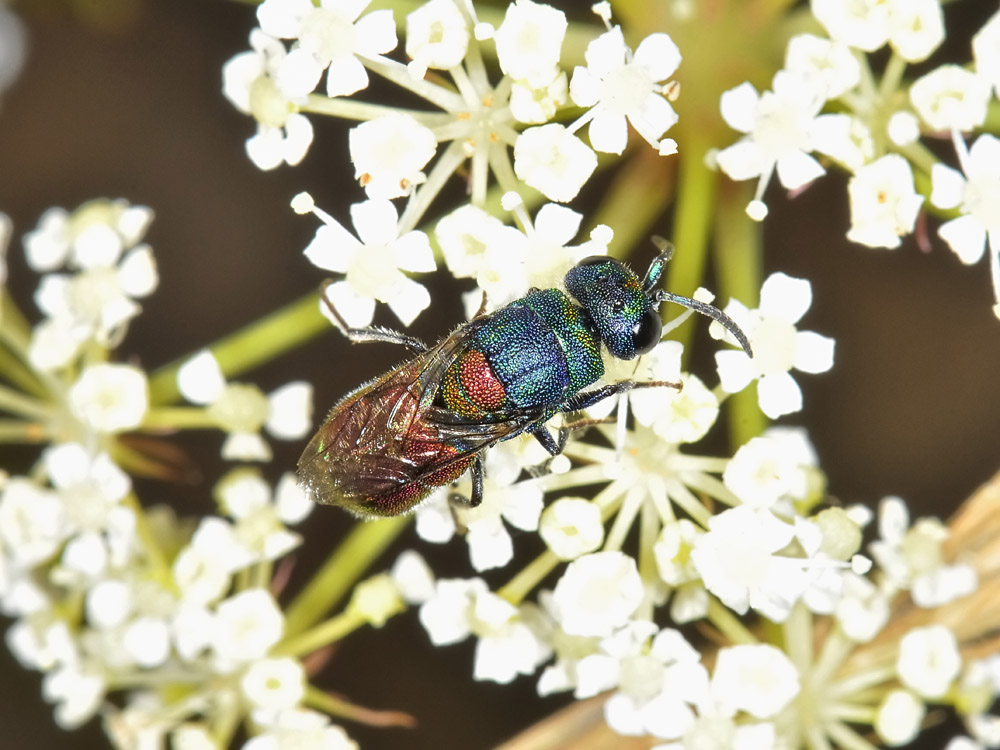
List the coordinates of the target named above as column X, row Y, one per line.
column 130, row 105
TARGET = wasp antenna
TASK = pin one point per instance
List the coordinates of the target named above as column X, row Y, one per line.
column 665, row 246
column 711, row 311
column 338, row 319
column 656, row 267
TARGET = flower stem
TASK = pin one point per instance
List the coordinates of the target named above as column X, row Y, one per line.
column 351, row 109
column 639, row 190
column 16, row 431
column 739, row 257
column 697, row 187
column 16, row 373
column 342, row 569
column 728, row 624
column 525, row 581
column 327, row 632
column 259, row 342
column 17, row 403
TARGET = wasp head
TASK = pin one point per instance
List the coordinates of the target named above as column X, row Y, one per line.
column 622, row 311
column 624, row 307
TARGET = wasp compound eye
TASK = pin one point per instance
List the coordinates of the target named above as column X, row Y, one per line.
column 646, row 332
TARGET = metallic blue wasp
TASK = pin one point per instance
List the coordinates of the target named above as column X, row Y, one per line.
column 394, row 440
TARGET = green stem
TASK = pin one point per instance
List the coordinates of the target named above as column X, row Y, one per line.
column 14, row 328
column 350, row 109
column 16, row 431
column 639, row 190
column 525, row 581
column 727, row 623
column 178, row 418
column 697, row 187
column 17, row 403
column 739, row 260
column 341, row 571
column 259, row 342
column 327, row 632
column 14, row 371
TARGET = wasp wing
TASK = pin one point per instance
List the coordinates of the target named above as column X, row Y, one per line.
column 388, row 433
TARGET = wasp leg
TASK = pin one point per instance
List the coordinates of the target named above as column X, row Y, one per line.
column 371, row 333
column 589, row 398
column 458, row 500
column 555, row 446
column 543, row 436
column 482, row 306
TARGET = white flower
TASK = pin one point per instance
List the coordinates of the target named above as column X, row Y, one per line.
column 539, row 103
column 147, row 641
column 389, row 153
column 986, row 50
column 202, row 569
column 413, row 577
column 929, row 660
column 77, row 692
column 673, row 552
column 553, row 161
column 437, row 36
column 549, row 254
column 782, row 126
column 678, row 416
column 913, row 557
column 899, row 717
column 373, row 265
column 480, row 246
column 916, row 28
column 951, row 98
column 738, row 562
column 33, row 522
column 863, row 610
column 110, row 398
column 654, row 686
column 99, row 243
column 863, row 24
column 617, row 85
column 884, row 203
column 95, row 234
column 300, row 728
column 759, row 679
column 977, row 195
column 778, row 346
column 260, row 516
column 519, row 503
column 597, row 593
column 506, row 645
column 829, row 61
column 283, row 134
column 571, row 526
column 91, row 486
column 529, row 41
column 274, row 684
column 330, row 37
column 246, row 626
column 779, row 465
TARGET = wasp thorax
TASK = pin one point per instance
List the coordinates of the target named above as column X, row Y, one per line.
column 613, row 297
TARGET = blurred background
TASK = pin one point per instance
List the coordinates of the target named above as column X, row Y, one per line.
column 122, row 98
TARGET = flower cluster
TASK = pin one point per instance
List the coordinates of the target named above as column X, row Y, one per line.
column 174, row 630
column 827, row 100
column 507, row 130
